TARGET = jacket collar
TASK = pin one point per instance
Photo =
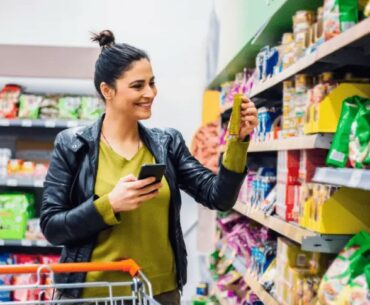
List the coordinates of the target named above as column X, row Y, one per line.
column 155, row 141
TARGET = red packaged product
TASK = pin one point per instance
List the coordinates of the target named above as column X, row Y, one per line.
column 288, row 166
column 9, row 97
column 25, row 279
column 309, row 160
column 47, row 278
column 287, row 201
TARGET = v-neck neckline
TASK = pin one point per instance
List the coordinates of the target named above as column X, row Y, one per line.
column 119, row 156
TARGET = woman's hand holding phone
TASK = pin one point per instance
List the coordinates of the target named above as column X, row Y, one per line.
column 129, row 193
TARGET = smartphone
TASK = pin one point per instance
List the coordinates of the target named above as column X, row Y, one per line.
column 152, row 170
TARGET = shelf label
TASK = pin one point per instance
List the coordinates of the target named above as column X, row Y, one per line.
column 4, row 122
column 12, row 182
column 355, row 178
column 72, row 123
column 2, row 242
column 41, row 243
column 26, row 123
column 50, row 123
column 38, row 183
column 26, row 243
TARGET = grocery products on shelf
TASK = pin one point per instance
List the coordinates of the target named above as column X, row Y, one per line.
column 23, row 295
column 15, row 210
column 351, row 144
column 14, row 103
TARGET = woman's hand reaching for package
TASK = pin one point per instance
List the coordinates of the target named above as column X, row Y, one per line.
column 248, row 118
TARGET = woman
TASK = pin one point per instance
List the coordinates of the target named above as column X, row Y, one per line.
column 93, row 203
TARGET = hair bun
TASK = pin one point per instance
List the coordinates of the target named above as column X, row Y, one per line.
column 105, row 38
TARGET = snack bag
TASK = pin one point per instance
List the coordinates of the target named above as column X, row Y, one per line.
column 339, row 15
column 359, row 138
column 69, row 107
column 49, row 108
column 357, row 292
column 9, row 101
column 91, row 108
column 29, row 106
column 349, row 263
column 338, row 153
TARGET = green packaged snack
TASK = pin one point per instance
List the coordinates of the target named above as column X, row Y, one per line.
column 338, row 153
column 339, row 15
column 357, row 292
column 15, row 210
column 69, row 107
column 29, row 106
column 348, row 265
column 359, row 138
column 91, row 108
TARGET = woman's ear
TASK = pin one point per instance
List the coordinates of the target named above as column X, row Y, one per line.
column 107, row 91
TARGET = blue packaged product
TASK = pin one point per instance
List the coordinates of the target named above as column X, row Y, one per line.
column 5, row 279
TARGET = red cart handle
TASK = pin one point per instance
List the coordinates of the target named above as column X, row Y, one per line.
column 128, row 265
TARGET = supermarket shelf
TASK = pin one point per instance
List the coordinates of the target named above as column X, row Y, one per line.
column 22, row 182
column 309, row 240
column 304, row 142
column 42, row 123
column 348, row 48
column 251, row 281
column 350, row 177
column 26, row 243
column 257, row 288
column 269, row 34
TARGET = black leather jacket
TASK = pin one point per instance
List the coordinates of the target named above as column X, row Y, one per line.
column 69, row 217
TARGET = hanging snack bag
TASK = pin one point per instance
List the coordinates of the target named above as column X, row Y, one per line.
column 338, row 153
column 339, row 15
column 69, row 107
column 29, row 106
column 349, row 264
column 91, row 108
column 359, row 138
column 9, row 101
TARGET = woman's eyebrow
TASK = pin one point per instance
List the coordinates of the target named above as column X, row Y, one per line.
column 140, row 81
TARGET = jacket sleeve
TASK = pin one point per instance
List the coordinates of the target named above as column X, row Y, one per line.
column 64, row 222
column 214, row 191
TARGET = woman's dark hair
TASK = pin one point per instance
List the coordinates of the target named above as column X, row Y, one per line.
column 114, row 59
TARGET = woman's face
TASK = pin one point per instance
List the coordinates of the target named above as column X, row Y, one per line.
column 135, row 91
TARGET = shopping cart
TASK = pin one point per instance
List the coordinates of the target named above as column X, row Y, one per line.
column 141, row 289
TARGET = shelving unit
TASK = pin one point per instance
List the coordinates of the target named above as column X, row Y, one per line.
column 349, row 177
column 42, row 123
column 250, row 279
column 22, row 182
column 26, row 243
column 345, row 49
column 309, row 240
column 303, row 142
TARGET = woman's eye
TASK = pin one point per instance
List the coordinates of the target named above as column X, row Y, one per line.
column 152, row 84
column 137, row 86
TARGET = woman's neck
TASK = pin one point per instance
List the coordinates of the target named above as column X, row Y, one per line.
column 120, row 129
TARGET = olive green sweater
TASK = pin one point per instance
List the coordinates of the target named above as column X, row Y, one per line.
column 141, row 234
